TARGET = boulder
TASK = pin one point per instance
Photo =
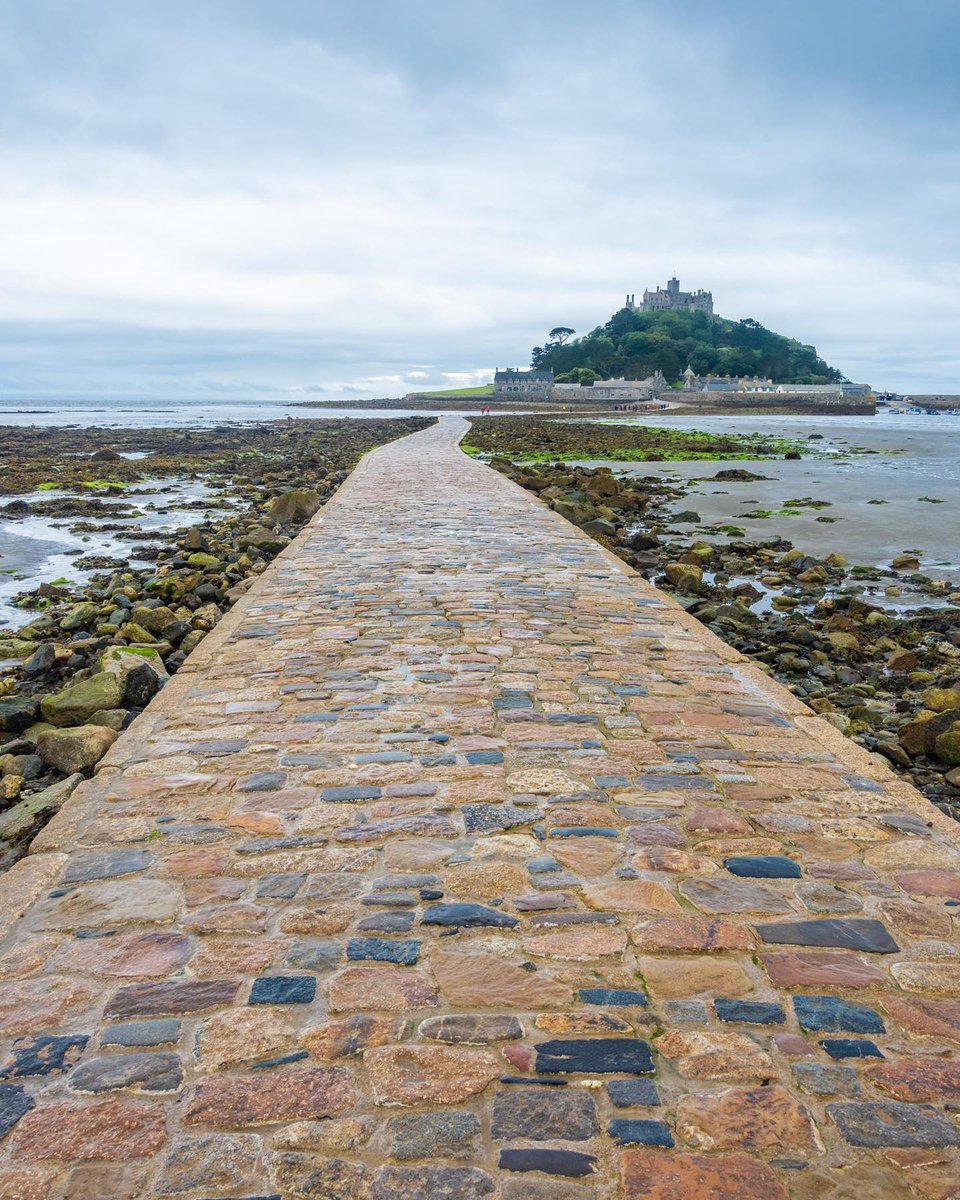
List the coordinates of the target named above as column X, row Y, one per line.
column 141, row 673
column 16, row 648
column 685, row 577
column 202, row 561
column 18, row 713
column 80, row 616
column 293, row 507
column 41, row 660
column 105, row 455
column 902, row 659
column 20, row 819
column 73, row 750
column 152, row 619
column 263, row 539
column 920, row 735
column 942, row 699
column 77, row 703
column 947, row 745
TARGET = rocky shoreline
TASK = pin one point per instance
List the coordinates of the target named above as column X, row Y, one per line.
column 90, row 658
column 886, row 677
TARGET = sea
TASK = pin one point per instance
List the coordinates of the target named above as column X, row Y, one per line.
column 890, row 482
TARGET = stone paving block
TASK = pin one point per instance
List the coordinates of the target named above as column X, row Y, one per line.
column 454, row 851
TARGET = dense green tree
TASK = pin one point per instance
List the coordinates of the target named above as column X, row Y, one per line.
column 635, row 344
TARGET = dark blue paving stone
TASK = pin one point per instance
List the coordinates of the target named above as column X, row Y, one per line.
column 476, row 757
column 42, row 1055
column 218, row 747
column 262, row 781
column 629, row 689
column 158, row 1072
column 542, row 865
column 823, row 1079
column 604, row 1056
column 762, row 866
column 851, row 1048
column 387, row 922
column 889, row 1123
column 750, row 1012
column 589, row 744
column 569, row 831
column 669, row 783
column 507, row 702
column 611, row 781
column 281, row 886
column 564, row 718
column 466, row 915
column 551, row 1162
column 105, row 864
column 547, row 1081
column 619, row 997
column 384, row 950
column 283, row 989
column 358, row 792
column 309, row 718
column 431, row 893
column 489, row 818
column 831, row 1014
column 629, row 1093
column 852, row 933
column 14, row 1102
column 440, row 738
column 385, row 756
column 294, row 1056
column 311, row 955
column 627, row 1132
column 163, row 1031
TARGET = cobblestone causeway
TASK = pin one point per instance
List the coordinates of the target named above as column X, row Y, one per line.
column 460, row 863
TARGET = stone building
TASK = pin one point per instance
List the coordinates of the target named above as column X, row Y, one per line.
column 513, row 382
column 672, row 298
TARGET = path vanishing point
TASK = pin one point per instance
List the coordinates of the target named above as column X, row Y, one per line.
column 459, row 862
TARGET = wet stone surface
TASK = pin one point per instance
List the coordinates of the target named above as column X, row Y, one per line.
column 458, row 863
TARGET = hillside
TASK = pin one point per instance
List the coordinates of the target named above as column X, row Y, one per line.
column 635, row 344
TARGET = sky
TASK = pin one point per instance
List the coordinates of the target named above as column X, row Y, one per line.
column 302, row 199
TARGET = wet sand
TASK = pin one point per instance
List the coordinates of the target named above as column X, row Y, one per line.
column 917, row 456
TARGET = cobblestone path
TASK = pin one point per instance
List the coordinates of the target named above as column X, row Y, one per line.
column 460, row 863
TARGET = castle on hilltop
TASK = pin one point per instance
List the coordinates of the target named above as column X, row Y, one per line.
column 672, row 298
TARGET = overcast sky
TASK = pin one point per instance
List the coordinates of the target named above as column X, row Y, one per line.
column 292, row 198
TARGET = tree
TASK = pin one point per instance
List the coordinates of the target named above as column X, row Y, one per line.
column 635, row 344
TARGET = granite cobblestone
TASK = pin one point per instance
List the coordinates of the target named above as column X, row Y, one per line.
column 459, row 862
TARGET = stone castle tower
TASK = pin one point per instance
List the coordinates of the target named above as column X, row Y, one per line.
column 672, row 298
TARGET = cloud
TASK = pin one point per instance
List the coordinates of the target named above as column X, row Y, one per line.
column 230, row 196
